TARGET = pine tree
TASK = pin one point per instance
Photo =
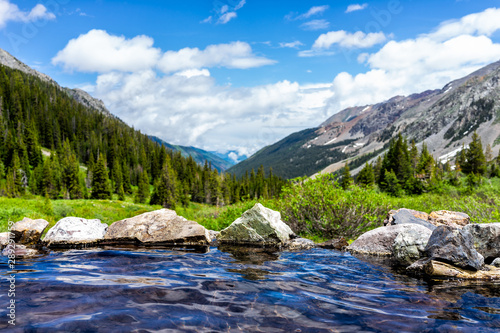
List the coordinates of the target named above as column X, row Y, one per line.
column 100, row 180
column 165, row 189
column 346, row 180
column 142, row 194
column 488, row 154
column 366, row 177
column 475, row 161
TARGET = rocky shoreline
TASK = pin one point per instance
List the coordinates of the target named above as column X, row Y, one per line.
column 442, row 244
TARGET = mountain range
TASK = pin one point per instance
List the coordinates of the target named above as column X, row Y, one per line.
column 444, row 119
column 82, row 97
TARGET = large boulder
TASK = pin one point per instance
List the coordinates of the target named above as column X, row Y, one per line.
column 4, row 239
column 454, row 246
column 71, row 231
column 257, row 226
column 162, row 227
column 379, row 242
column 408, row 216
column 28, row 231
column 446, row 217
column 409, row 244
column 486, row 238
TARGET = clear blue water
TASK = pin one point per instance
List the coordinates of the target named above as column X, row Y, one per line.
column 152, row 290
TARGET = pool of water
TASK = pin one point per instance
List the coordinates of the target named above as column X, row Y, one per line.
column 151, row 290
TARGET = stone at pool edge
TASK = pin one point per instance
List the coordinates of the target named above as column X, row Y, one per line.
column 28, row 231
column 486, row 238
column 75, row 231
column 4, row 239
column 258, row 226
column 162, row 226
column 20, row 251
column 339, row 244
column 410, row 244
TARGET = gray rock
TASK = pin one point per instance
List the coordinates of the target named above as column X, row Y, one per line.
column 74, row 231
column 496, row 262
column 406, row 216
column 4, row 239
column 379, row 241
column 28, row 231
column 213, row 235
column 409, row 244
column 162, row 226
column 338, row 244
column 454, row 246
column 446, row 217
column 298, row 244
column 486, row 238
column 257, row 226
column 420, row 215
column 19, row 251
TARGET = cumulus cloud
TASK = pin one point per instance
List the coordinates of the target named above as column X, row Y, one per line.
column 429, row 61
column 349, row 40
column 291, row 45
column 98, row 51
column 11, row 12
column 232, row 55
column 355, row 7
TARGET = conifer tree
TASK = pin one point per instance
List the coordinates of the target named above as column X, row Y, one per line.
column 100, row 180
column 142, row 194
column 475, row 161
column 346, row 180
column 165, row 189
column 366, row 178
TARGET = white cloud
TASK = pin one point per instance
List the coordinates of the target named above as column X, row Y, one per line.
column 225, row 13
column 355, row 7
column 11, row 12
column 97, row 51
column 315, row 25
column 291, row 45
column 349, row 40
column 233, row 55
column 227, row 17
column 315, row 10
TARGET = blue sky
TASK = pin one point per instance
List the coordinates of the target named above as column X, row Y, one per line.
column 236, row 75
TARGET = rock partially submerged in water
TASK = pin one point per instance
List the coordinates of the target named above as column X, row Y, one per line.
column 454, row 246
column 409, row 244
column 339, row 244
column 4, row 239
column 28, row 231
column 257, row 226
column 486, row 238
column 298, row 244
column 441, row 269
column 19, row 251
column 379, row 242
column 71, row 231
column 162, row 227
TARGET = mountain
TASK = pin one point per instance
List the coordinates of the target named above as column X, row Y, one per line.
column 444, row 119
column 199, row 155
column 90, row 102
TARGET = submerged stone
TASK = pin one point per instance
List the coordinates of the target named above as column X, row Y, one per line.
column 162, row 226
column 257, row 226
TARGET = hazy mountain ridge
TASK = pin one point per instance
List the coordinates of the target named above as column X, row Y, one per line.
column 443, row 118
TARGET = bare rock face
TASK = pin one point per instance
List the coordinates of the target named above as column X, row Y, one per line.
column 410, row 244
column 452, row 219
column 162, row 226
column 257, row 226
column 486, row 238
column 379, row 242
column 454, row 246
column 74, row 231
column 28, row 231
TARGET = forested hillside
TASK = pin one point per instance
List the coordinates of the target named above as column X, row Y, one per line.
column 88, row 154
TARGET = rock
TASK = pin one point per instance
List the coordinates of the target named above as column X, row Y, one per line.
column 19, row 251
column 28, row 231
column 338, row 244
column 213, row 235
column 300, row 244
column 407, row 216
column 162, row 226
column 446, row 217
column 444, row 270
column 378, row 242
column 75, row 230
column 496, row 262
column 4, row 239
column 257, row 226
column 486, row 238
column 454, row 246
column 409, row 244
column 415, row 213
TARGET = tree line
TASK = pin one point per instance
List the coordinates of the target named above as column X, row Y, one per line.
column 404, row 169
column 87, row 154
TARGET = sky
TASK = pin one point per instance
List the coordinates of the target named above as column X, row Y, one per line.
column 233, row 76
